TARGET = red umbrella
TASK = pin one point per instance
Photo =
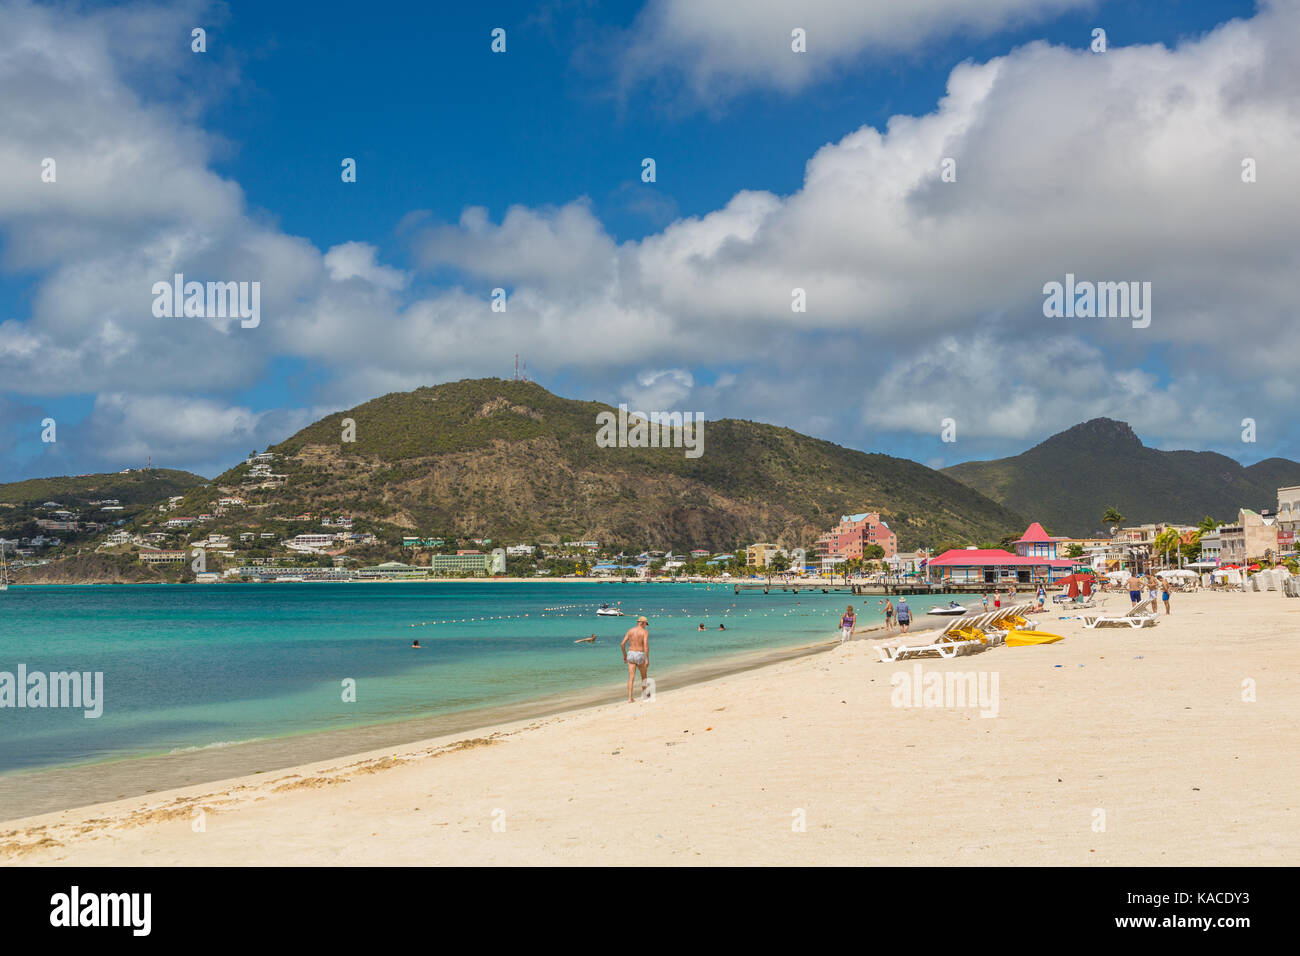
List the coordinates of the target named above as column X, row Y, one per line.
column 1077, row 581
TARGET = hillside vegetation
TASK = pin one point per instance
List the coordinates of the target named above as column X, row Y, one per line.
column 1068, row 481
column 510, row 460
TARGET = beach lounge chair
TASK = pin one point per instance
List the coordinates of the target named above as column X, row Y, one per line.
column 946, row 643
column 1142, row 614
column 1013, row 618
column 988, row 629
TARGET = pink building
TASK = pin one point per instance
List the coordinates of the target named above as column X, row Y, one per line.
column 854, row 532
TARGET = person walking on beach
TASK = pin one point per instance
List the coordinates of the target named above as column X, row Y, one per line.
column 904, row 615
column 889, row 616
column 1134, row 585
column 636, row 653
column 1042, row 597
column 846, row 624
column 1164, row 595
column 986, row 600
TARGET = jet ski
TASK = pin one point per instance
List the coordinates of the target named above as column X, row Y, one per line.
column 952, row 610
column 606, row 611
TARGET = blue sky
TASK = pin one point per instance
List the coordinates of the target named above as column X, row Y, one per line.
column 924, row 304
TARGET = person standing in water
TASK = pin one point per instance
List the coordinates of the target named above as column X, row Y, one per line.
column 636, row 653
column 846, row 624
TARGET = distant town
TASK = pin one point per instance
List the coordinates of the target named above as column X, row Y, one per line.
column 252, row 545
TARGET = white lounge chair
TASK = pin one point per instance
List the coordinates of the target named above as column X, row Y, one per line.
column 1141, row 614
column 943, row 643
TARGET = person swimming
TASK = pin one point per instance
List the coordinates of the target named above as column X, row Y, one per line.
column 416, row 644
column 722, row 627
column 701, row 627
column 586, row 640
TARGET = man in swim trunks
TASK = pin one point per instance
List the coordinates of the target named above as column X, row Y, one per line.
column 1134, row 585
column 889, row 616
column 636, row 653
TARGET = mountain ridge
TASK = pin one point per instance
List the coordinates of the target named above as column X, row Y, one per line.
column 1069, row 479
column 508, row 459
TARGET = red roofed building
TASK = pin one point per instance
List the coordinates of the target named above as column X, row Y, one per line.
column 1036, row 543
column 1034, row 562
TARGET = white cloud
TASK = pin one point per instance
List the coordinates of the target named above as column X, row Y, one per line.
column 660, row 390
column 719, row 47
column 923, row 296
column 357, row 260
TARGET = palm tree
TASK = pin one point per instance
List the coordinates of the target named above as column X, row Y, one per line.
column 1207, row 525
column 1167, row 542
column 1112, row 517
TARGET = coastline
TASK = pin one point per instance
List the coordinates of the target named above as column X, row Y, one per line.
column 807, row 583
column 806, row 761
column 27, row 793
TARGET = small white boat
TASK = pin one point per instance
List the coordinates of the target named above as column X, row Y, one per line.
column 952, row 610
column 606, row 611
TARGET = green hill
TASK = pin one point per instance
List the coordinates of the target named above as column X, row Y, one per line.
column 510, row 460
column 140, row 487
column 1068, row 481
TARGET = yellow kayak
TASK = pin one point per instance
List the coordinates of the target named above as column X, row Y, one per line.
column 1026, row 638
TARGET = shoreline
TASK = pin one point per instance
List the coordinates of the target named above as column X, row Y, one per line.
column 1114, row 747
column 33, row 792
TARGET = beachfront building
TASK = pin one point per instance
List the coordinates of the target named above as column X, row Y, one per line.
column 1288, row 518
column 471, row 562
column 1211, row 543
column 849, row 538
column 757, row 555
column 393, row 569
column 1035, row 561
column 1253, row 537
column 1037, row 543
column 910, row 562
column 1086, row 547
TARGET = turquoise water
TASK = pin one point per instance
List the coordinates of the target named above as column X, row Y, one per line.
column 191, row 666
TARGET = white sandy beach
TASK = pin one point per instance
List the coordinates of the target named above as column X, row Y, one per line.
column 1149, row 727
